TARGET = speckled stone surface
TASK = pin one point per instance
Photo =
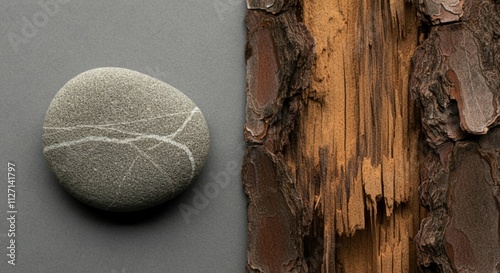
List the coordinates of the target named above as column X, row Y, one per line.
column 120, row 140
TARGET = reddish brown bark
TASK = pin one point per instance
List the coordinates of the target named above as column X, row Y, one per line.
column 456, row 80
column 278, row 55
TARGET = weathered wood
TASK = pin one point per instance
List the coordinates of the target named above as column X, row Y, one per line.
column 357, row 136
column 331, row 167
column 456, row 81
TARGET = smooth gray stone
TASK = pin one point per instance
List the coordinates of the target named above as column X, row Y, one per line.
column 120, row 140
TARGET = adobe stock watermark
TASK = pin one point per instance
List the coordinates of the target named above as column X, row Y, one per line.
column 156, row 72
column 31, row 26
column 204, row 193
column 223, row 7
column 123, row 270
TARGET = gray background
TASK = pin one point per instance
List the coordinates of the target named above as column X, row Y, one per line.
column 196, row 46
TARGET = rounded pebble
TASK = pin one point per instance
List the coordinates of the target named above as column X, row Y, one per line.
column 120, row 140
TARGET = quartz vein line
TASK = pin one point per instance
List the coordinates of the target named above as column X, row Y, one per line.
column 163, row 139
column 184, row 124
column 98, row 127
column 186, row 121
column 126, row 141
column 196, row 109
column 105, row 126
column 127, row 173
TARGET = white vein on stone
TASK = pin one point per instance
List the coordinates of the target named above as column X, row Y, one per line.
column 184, row 124
column 146, row 156
column 98, row 127
column 126, row 141
column 129, row 141
column 186, row 121
column 127, row 173
column 196, row 109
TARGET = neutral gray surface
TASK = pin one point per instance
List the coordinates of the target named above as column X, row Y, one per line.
column 194, row 45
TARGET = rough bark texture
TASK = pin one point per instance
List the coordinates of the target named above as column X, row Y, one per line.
column 456, row 81
column 279, row 55
column 331, row 167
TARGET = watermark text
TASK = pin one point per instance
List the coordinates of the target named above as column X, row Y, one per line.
column 203, row 194
column 11, row 213
column 31, row 25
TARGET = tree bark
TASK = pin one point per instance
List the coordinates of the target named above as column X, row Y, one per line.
column 332, row 164
column 279, row 56
column 456, row 80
